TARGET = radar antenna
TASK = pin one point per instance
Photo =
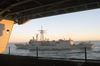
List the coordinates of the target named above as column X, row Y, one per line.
column 42, row 34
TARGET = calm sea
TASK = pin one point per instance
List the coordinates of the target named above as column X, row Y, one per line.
column 93, row 53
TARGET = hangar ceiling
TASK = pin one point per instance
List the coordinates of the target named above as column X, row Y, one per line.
column 24, row 10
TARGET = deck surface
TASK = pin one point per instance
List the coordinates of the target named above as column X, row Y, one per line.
column 14, row 60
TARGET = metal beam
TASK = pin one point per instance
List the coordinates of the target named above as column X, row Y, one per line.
column 11, row 6
column 18, row 0
column 98, row 4
column 53, row 4
column 56, row 11
column 45, row 12
column 36, row 13
column 41, row 6
column 2, row 2
column 40, row 14
column 1, row 9
column 65, row 10
column 75, row 8
column 38, row 2
column 49, row 11
column 86, row 7
column 6, row 15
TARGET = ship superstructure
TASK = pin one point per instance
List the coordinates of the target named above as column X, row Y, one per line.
column 46, row 44
column 42, row 34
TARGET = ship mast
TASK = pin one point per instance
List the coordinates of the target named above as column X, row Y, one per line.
column 36, row 37
column 42, row 34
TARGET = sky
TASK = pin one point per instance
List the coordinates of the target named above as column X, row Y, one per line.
column 79, row 26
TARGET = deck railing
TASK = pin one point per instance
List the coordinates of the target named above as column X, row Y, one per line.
column 36, row 54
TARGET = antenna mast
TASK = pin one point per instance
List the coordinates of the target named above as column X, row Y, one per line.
column 36, row 37
column 42, row 34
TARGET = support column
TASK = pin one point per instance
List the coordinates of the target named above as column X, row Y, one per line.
column 5, row 31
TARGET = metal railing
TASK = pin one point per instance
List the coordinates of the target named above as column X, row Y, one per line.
column 73, row 59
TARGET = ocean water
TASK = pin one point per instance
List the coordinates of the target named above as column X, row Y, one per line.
column 93, row 53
